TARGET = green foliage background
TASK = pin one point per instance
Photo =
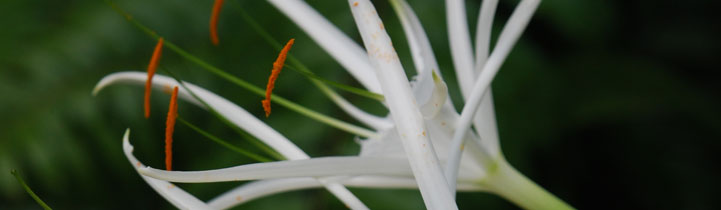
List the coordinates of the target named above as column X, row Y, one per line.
column 607, row 104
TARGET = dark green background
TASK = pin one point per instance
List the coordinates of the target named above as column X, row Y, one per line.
column 607, row 104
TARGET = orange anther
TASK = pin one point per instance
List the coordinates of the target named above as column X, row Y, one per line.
column 214, row 21
column 151, row 71
column 277, row 66
column 169, row 128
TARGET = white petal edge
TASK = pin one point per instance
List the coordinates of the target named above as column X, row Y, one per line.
column 262, row 188
column 429, row 89
column 403, row 107
column 421, row 50
column 173, row 194
column 348, row 53
column 460, row 43
column 485, row 120
column 367, row 119
column 483, row 32
column 235, row 115
column 510, row 34
column 315, row 167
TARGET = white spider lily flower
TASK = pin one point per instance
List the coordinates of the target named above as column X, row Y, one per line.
column 385, row 148
column 420, row 145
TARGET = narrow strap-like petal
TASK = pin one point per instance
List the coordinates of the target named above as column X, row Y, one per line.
column 483, row 32
column 262, row 188
column 315, row 167
column 430, row 91
column 460, row 43
column 421, row 49
column 235, row 115
column 403, row 107
column 364, row 117
column 332, row 40
column 227, row 109
column 510, row 34
column 484, row 121
column 173, row 194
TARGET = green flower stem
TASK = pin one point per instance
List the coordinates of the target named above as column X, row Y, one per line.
column 225, row 143
column 319, row 81
column 510, row 184
column 30, row 191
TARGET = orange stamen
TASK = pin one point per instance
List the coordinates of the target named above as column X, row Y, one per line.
column 170, row 127
column 151, row 71
column 277, row 66
column 214, row 21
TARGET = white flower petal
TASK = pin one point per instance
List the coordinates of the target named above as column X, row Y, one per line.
column 370, row 120
column 423, row 56
column 235, row 115
column 485, row 120
column 332, row 40
column 483, row 32
column 460, row 42
column 315, row 167
column 176, row 196
column 440, row 128
column 403, row 107
column 227, row 109
column 510, row 34
column 430, row 92
column 258, row 189
column 484, row 123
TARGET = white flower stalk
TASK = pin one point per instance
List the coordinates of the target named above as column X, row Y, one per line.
column 420, row 145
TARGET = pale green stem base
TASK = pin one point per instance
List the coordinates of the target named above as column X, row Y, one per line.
column 507, row 182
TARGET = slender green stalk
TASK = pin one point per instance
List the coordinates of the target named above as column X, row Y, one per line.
column 225, row 143
column 507, row 182
column 252, row 88
column 314, row 77
column 30, row 191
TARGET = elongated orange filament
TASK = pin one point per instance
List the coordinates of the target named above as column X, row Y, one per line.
column 151, row 71
column 214, row 21
column 169, row 128
column 277, row 66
